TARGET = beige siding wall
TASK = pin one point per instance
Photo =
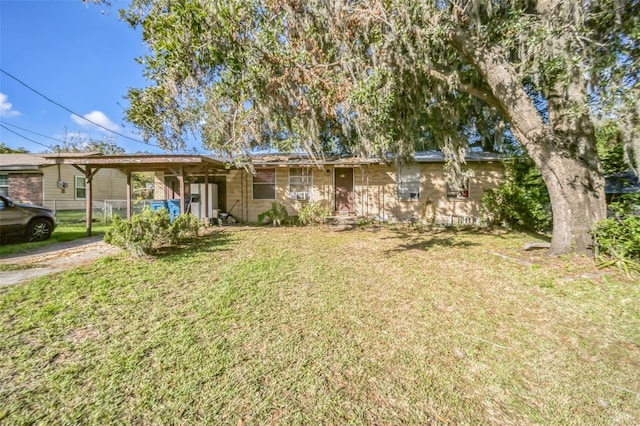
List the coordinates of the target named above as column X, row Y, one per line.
column 236, row 198
column 484, row 176
column 240, row 187
column 107, row 184
column 375, row 192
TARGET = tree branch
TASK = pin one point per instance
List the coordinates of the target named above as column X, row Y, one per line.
column 453, row 78
column 506, row 87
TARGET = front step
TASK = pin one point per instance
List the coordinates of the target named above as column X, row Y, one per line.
column 343, row 222
column 344, row 214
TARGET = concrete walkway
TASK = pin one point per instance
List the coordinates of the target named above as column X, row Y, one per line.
column 55, row 258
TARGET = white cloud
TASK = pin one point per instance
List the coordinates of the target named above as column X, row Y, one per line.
column 97, row 117
column 6, row 108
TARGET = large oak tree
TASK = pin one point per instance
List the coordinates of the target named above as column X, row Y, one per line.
column 379, row 77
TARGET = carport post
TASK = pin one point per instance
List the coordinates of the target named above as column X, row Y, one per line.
column 89, row 196
column 128, row 195
column 182, row 191
column 206, row 196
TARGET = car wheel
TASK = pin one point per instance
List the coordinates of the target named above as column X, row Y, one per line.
column 39, row 230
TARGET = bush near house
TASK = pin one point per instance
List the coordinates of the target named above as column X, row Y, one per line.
column 617, row 238
column 313, row 213
column 521, row 201
column 146, row 232
column 276, row 215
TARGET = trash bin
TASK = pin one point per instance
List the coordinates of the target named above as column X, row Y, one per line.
column 174, row 208
column 157, row 205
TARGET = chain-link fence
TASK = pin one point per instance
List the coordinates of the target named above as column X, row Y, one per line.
column 101, row 211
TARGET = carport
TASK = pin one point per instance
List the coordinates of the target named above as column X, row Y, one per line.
column 182, row 166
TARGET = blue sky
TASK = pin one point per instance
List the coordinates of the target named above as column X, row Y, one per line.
column 80, row 56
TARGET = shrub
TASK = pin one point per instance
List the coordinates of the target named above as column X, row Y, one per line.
column 312, row 213
column 363, row 222
column 141, row 235
column 522, row 201
column 276, row 215
column 617, row 238
column 184, row 228
column 149, row 230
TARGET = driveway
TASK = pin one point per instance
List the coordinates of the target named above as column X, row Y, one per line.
column 55, row 258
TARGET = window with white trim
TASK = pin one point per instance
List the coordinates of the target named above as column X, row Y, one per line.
column 458, row 189
column 408, row 182
column 264, row 184
column 4, row 185
column 81, row 188
column 300, row 183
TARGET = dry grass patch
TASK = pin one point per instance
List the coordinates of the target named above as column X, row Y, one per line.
column 305, row 326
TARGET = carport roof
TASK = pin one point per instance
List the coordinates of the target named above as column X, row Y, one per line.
column 143, row 162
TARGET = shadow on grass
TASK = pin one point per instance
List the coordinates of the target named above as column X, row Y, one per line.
column 210, row 242
column 537, row 236
column 425, row 238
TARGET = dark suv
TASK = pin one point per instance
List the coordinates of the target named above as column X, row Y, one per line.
column 34, row 223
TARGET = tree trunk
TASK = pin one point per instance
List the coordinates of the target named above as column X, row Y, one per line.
column 577, row 201
column 564, row 149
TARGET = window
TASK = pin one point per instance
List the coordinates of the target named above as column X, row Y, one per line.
column 264, row 184
column 300, row 182
column 81, row 187
column 409, row 182
column 4, row 185
column 458, row 190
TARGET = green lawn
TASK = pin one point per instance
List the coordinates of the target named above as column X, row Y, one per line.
column 310, row 326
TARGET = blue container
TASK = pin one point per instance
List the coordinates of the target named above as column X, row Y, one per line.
column 174, row 208
column 157, row 205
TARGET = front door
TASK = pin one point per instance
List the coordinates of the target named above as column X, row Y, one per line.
column 344, row 189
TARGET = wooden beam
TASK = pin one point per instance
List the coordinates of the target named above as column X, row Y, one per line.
column 91, row 174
